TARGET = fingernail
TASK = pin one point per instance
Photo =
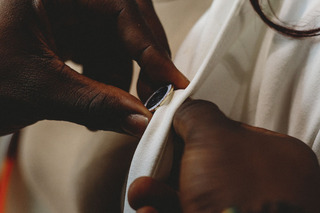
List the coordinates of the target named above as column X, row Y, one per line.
column 135, row 124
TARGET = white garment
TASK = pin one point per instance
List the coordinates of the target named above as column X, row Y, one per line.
column 252, row 73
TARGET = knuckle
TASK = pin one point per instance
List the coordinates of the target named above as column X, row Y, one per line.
column 196, row 110
column 98, row 109
column 199, row 120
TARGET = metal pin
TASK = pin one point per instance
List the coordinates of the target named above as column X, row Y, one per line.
column 159, row 97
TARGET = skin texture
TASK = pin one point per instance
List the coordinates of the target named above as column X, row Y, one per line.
column 38, row 36
column 229, row 164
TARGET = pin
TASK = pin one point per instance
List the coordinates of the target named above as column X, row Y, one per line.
column 159, row 97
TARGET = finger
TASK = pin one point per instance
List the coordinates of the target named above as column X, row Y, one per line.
column 196, row 120
column 142, row 45
column 205, row 131
column 146, row 7
column 153, row 22
column 76, row 98
column 146, row 191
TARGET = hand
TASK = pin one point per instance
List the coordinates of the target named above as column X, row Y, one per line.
column 38, row 36
column 229, row 164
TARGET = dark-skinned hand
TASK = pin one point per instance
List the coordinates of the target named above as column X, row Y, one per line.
column 229, row 164
column 38, row 36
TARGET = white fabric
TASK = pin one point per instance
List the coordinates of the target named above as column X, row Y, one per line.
column 252, row 73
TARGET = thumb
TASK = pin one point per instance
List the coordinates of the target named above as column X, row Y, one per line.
column 195, row 120
column 76, row 98
column 147, row 194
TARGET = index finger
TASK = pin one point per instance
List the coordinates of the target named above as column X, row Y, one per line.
column 149, row 50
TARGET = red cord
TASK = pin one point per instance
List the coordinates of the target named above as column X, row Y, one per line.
column 5, row 181
column 7, row 169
